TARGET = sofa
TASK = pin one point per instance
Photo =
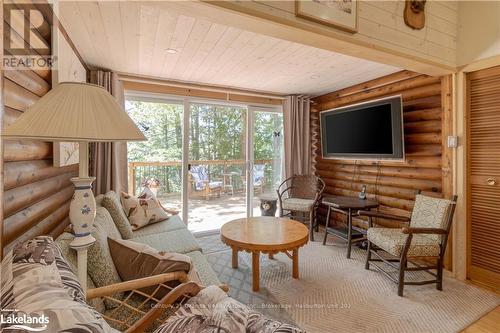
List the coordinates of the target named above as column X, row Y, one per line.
column 40, row 292
column 170, row 235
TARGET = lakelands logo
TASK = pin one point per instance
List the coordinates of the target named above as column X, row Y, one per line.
column 27, row 36
column 18, row 320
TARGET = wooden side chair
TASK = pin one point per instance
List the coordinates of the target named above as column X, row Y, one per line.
column 425, row 237
column 301, row 194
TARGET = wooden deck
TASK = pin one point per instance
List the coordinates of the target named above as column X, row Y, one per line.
column 206, row 215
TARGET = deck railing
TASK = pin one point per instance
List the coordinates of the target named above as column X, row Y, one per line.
column 169, row 174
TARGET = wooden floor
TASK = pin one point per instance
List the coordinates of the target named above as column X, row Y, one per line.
column 490, row 323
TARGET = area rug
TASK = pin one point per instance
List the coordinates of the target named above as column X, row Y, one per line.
column 336, row 294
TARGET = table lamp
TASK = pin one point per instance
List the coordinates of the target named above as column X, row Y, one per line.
column 83, row 113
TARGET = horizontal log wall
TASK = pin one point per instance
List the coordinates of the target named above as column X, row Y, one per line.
column 427, row 108
column 36, row 194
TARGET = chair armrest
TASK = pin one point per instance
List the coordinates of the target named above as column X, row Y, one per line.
column 432, row 231
column 136, row 284
column 383, row 215
column 184, row 290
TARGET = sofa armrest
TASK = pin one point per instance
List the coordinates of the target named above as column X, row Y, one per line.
column 136, row 284
column 185, row 290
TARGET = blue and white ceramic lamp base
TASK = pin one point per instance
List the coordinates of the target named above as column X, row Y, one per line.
column 82, row 211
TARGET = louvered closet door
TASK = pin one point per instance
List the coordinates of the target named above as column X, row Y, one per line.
column 484, row 176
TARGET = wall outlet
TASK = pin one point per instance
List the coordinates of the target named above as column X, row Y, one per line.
column 452, row 141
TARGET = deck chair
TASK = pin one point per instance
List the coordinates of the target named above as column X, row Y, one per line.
column 200, row 184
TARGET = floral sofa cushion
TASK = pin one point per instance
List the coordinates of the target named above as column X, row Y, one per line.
column 213, row 311
column 37, row 280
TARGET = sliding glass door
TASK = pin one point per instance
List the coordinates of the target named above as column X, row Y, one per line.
column 267, row 152
column 216, row 188
column 157, row 162
column 210, row 161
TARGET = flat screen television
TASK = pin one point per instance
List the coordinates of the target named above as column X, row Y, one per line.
column 369, row 130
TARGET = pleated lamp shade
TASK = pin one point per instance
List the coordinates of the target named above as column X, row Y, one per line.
column 74, row 111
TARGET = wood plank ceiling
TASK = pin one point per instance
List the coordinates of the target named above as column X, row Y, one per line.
column 132, row 37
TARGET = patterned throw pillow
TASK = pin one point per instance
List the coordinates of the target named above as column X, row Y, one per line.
column 100, row 264
column 213, row 311
column 37, row 280
column 111, row 202
column 143, row 210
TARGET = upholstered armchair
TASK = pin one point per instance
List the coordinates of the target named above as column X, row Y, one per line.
column 424, row 235
column 301, row 196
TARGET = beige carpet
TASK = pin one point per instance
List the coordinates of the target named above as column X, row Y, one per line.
column 335, row 294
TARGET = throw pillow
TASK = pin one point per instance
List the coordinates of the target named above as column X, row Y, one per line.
column 142, row 210
column 37, row 280
column 136, row 260
column 213, row 311
column 147, row 193
column 111, row 202
column 63, row 241
column 100, row 264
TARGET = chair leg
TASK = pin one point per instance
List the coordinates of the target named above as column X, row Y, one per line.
column 315, row 214
column 326, row 224
column 401, row 280
column 368, row 255
column 311, row 224
column 439, row 277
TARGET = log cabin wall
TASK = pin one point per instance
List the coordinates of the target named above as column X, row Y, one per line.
column 36, row 194
column 427, row 167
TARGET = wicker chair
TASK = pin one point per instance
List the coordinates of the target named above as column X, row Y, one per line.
column 143, row 309
column 301, row 194
column 425, row 237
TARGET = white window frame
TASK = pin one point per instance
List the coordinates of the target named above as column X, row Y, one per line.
column 186, row 101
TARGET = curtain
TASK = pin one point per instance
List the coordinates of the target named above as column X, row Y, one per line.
column 297, row 136
column 108, row 160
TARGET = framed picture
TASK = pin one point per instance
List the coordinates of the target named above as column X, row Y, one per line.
column 340, row 14
column 65, row 153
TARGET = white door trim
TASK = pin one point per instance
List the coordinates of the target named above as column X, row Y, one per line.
column 185, row 160
column 249, row 160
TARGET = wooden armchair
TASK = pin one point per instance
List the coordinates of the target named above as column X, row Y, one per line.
column 141, row 308
column 424, row 235
column 200, row 184
column 301, row 194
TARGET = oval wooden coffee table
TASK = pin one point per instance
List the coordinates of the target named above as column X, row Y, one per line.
column 268, row 235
